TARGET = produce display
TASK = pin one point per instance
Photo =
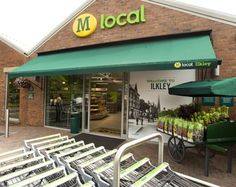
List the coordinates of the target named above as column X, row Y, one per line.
column 191, row 131
column 193, row 128
column 213, row 116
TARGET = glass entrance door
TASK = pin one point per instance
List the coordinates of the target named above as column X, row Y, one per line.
column 64, row 101
column 106, row 95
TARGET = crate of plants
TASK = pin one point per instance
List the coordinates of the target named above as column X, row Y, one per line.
column 190, row 127
column 183, row 129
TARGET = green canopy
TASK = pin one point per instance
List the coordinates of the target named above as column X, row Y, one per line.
column 225, row 87
column 164, row 54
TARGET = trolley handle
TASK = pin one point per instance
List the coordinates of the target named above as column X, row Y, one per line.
column 129, row 145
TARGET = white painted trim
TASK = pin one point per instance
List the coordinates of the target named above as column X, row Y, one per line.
column 8, row 69
column 196, row 10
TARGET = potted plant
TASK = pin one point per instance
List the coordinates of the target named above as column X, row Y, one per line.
column 21, row 82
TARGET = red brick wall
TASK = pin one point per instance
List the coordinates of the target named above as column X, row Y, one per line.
column 31, row 111
column 8, row 58
column 159, row 21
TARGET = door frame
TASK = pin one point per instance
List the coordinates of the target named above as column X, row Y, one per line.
column 125, row 98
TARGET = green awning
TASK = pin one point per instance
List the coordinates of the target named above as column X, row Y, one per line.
column 163, row 54
column 225, row 87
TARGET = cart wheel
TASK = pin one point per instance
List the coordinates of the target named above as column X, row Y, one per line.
column 176, row 149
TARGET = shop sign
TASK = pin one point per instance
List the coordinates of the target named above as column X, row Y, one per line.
column 133, row 17
column 208, row 101
column 86, row 24
column 197, row 64
column 160, row 84
column 227, row 101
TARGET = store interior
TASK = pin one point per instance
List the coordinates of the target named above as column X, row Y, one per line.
column 106, row 103
column 65, row 96
column 63, row 99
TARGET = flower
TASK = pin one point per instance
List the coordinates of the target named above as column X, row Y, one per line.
column 22, row 82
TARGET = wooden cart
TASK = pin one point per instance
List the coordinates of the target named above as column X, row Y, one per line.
column 218, row 137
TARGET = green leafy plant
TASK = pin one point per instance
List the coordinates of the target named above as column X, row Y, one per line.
column 213, row 116
column 186, row 111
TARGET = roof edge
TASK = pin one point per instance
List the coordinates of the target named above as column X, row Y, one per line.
column 196, row 10
column 61, row 26
column 10, row 45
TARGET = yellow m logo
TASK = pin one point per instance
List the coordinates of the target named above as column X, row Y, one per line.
column 84, row 25
column 177, row 65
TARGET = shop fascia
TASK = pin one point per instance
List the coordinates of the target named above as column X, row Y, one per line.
column 86, row 24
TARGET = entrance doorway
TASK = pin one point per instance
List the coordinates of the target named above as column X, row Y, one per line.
column 64, row 99
column 106, row 103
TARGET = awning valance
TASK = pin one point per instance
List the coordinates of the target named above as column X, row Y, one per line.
column 165, row 54
column 225, row 87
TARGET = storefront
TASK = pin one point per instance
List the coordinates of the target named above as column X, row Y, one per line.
column 94, row 100
column 111, row 69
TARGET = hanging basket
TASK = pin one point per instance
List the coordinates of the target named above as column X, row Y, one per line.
column 21, row 82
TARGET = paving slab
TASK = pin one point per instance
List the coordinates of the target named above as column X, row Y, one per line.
column 20, row 133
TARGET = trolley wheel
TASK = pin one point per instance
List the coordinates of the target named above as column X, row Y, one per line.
column 176, row 149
